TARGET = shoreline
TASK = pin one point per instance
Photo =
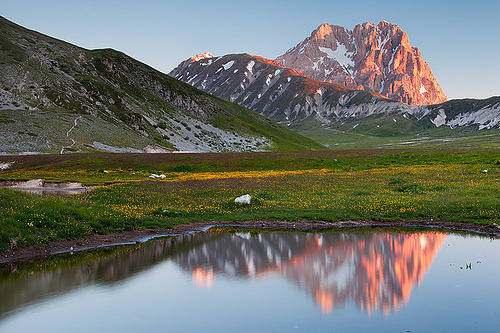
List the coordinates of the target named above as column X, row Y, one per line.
column 36, row 253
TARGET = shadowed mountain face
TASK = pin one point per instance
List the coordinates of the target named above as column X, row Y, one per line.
column 372, row 57
column 373, row 271
column 288, row 97
column 279, row 93
column 57, row 97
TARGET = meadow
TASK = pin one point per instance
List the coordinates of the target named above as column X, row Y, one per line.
column 445, row 185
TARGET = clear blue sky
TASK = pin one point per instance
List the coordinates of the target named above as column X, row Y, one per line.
column 460, row 39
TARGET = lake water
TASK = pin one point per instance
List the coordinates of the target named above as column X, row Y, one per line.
column 264, row 282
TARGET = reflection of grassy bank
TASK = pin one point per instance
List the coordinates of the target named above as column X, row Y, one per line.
column 64, row 260
column 332, row 186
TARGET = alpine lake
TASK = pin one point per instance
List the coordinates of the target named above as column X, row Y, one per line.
column 239, row 280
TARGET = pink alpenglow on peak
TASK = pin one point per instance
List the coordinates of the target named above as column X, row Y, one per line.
column 376, row 58
column 200, row 56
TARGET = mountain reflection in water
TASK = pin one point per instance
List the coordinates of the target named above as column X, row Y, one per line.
column 373, row 270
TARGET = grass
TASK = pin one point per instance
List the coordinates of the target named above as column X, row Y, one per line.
column 318, row 185
column 396, row 132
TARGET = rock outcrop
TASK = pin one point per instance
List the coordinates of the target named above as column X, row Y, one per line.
column 372, row 57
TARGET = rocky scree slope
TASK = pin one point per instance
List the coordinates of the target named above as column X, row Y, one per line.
column 371, row 57
column 57, row 97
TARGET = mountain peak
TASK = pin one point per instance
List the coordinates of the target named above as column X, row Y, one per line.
column 322, row 31
column 201, row 56
column 377, row 58
column 384, row 23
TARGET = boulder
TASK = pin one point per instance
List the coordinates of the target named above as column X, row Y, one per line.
column 244, row 199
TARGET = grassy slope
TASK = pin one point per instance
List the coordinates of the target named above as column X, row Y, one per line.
column 327, row 185
column 384, row 132
column 117, row 90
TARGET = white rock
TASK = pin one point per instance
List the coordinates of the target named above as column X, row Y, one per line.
column 155, row 176
column 485, row 171
column 5, row 166
column 244, row 199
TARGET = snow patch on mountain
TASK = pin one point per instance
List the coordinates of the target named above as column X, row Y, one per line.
column 485, row 118
column 341, row 55
column 268, row 79
column 207, row 63
column 250, row 66
column 440, row 118
column 228, row 65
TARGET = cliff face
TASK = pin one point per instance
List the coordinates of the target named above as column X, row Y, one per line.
column 372, row 57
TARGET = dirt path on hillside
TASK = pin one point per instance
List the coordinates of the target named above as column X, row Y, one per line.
column 32, row 253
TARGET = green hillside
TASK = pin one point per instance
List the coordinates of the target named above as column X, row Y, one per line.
column 57, row 97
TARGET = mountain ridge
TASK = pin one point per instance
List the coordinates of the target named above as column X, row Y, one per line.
column 295, row 100
column 279, row 93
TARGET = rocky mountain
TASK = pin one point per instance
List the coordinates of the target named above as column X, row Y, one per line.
column 372, row 57
column 57, row 97
column 479, row 113
column 279, row 93
column 324, row 111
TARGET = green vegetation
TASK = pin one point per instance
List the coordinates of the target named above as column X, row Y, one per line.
column 316, row 185
column 396, row 132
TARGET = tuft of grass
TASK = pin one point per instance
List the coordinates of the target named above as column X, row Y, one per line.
column 410, row 188
column 361, row 192
column 396, row 181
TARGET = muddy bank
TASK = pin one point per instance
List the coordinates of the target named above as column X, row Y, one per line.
column 131, row 237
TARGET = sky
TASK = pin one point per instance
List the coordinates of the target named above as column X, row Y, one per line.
column 459, row 39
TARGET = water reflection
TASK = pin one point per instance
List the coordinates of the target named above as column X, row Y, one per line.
column 27, row 285
column 372, row 270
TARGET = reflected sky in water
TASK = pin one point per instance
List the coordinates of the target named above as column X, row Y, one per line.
column 267, row 281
